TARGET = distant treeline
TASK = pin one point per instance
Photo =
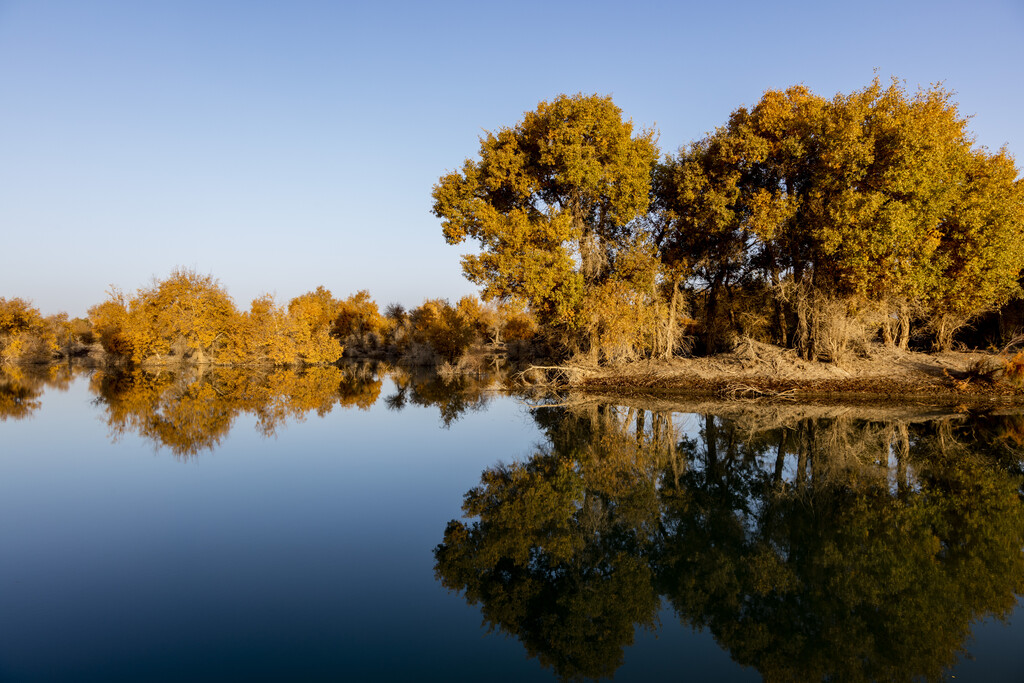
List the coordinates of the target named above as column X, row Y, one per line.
column 191, row 317
column 817, row 224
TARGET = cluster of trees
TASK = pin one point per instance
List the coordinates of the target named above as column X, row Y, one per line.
column 812, row 549
column 26, row 335
column 190, row 317
column 802, row 221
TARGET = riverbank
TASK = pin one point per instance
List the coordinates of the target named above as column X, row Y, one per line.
column 754, row 369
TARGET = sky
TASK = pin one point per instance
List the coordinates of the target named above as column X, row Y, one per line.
column 280, row 146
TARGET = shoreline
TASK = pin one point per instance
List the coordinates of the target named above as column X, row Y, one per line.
column 760, row 371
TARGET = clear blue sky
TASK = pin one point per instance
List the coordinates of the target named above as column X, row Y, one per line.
column 282, row 146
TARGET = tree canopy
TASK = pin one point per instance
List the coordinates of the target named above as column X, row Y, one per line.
column 550, row 201
column 876, row 197
column 874, row 207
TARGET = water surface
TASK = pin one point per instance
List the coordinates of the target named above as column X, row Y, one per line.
column 347, row 524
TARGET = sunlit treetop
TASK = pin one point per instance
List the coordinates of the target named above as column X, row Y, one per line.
column 549, row 201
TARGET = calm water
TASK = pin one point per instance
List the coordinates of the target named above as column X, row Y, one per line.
column 348, row 525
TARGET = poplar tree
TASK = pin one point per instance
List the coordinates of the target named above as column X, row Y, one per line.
column 876, row 198
column 550, row 201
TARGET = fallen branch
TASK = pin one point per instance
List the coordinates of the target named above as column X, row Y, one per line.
column 554, row 374
column 739, row 391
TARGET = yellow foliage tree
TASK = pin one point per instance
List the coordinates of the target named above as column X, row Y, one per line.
column 191, row 317
column 110, row 322
column 550, row 201
column 313, row 315
column 186, row 316
column 875, row 197
column 358, row 315
column 265, row 334
column 24, row 334
column 448, row 330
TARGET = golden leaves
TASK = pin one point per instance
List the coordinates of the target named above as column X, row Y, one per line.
column 24, row 334
column 190, row 317
column 571, row 170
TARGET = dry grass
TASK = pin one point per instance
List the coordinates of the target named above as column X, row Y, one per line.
column 1013, row 369
column 753, row 367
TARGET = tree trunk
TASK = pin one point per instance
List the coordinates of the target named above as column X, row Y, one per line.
column 801, row 454
column 711, row 447
column 711, row 317
column 802, row 339
column 943, row 335
column 780, row 324
column 780, row 458
column 670, row 333
column 902, row 456
column 814, row 328
column 672, row 453
column 887, row 333
column 904, row 338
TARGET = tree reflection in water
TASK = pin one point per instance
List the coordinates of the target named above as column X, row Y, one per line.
column 191, row 409
column 21, row 387
column 452, row 396
column 812, row 547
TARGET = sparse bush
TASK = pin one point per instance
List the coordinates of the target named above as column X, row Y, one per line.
column 837, row 330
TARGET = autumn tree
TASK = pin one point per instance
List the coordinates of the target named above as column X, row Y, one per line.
column 314, row 314
column 24, row 334
column 448, row 330
column 359, row 325
column 191, row 317
column 71, row 335
column 109, row 320
column 872, row 199
column 550, row 201
column 980, row 253
column 265, row 334
column 185, row 316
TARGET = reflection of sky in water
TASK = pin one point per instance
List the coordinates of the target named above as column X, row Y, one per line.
column 302, row 556
column 307, row 555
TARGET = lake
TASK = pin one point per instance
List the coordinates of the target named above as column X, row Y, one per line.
column 370, row 523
